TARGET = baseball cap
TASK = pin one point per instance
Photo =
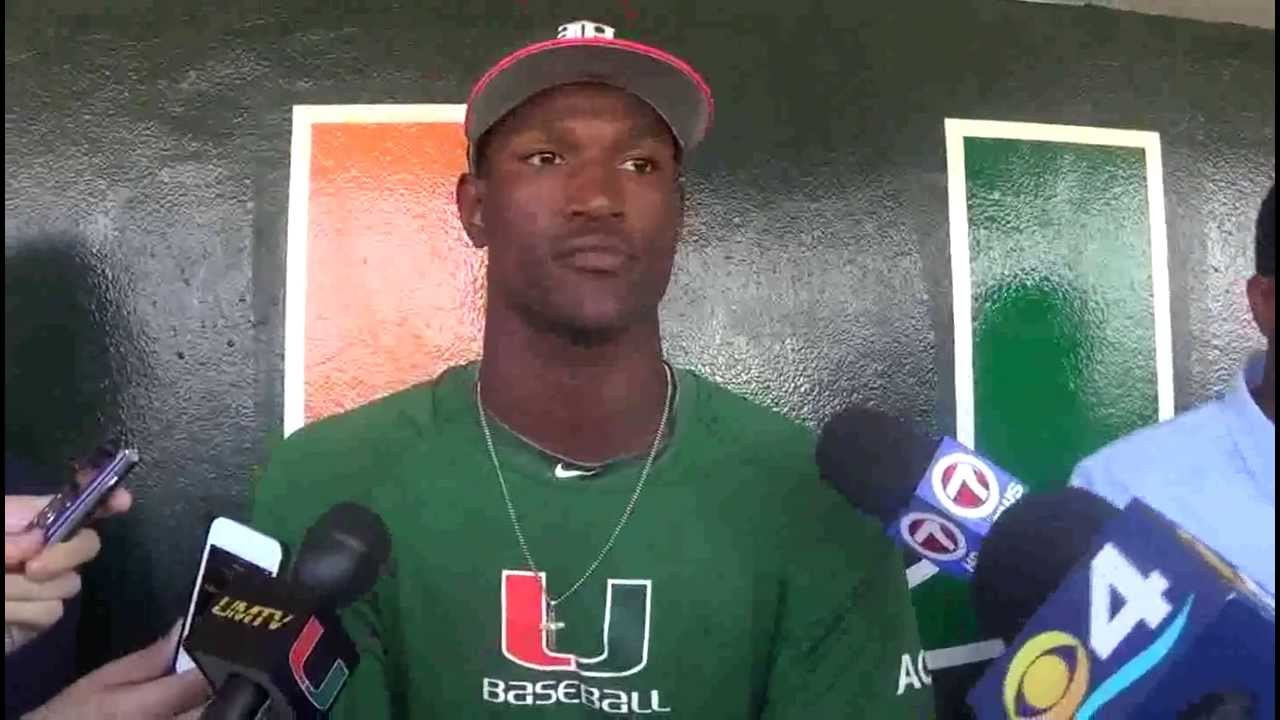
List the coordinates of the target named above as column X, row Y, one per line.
column 586, row 51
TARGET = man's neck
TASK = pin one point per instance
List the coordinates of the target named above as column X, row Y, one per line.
column 592, row 403
column 1265, row 393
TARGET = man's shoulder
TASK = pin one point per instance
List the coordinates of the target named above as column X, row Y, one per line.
column 1167, row 442
column 779, row 453
column 355, row 447
column 1157, row 453
column 362, row 429
column 771, row 452
column 737, row 418
column 393, row 418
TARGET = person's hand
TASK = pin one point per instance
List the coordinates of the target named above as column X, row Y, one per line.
column 135, row 686
column 21, row 544
column 38, row 579
column 33, row 597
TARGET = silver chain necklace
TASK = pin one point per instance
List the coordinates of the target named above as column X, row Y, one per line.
column 550, row 626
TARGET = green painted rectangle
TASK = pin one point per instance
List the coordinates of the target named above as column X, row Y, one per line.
column 1064, row 339
column 1064, row 314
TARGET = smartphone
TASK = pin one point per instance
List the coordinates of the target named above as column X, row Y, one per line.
column 97, row 476
column 230, row 550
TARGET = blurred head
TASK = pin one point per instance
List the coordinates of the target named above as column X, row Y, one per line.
column 1262, row 286
column 576, row 194
column 63, row 317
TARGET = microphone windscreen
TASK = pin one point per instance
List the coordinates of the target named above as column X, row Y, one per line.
column 1029, row 552
column 874, row 459
column 341, row 555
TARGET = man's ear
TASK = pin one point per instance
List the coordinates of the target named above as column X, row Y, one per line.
column 470, row 199
column 1262, row 302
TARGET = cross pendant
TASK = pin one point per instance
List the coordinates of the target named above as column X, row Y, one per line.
column 550, row 627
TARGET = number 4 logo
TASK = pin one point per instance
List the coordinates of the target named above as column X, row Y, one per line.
column 1143, row 598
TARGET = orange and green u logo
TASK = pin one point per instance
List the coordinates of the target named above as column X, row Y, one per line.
column 321, row 695
column 625, row 636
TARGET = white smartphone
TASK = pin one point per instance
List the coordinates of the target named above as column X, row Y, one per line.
column 230, row 550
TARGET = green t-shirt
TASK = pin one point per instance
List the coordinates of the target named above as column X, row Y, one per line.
column 741, row 587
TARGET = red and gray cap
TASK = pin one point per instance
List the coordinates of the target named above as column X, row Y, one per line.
column 586, row 51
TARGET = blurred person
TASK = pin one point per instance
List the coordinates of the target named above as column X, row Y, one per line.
column 61, row 394
column 42, row 587
column 39, row 581
column 139, row 685
column 1213, row 470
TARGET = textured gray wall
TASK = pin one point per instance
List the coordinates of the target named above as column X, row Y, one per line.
column 146, row 168
column 1255, row 13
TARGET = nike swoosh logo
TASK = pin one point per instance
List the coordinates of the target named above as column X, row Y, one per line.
column 564, row 473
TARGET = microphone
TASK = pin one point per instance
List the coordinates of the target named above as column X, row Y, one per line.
column 937, row 497
column 1028, row 553
column 263, row 639
column 1117, row 614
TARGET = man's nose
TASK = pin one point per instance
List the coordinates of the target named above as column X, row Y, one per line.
column 595, row 190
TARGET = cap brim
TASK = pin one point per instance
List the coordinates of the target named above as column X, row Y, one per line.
column 668, row 84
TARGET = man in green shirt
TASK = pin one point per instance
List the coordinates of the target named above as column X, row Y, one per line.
column 580, row 530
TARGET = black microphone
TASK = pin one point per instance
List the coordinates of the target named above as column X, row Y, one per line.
column 874, row 459
column 1028, row 553
column 1117, row 613
column 937, row 497
column 259, row 638
column 341, row 556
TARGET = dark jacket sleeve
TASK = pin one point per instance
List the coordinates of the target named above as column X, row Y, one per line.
column 45, row 666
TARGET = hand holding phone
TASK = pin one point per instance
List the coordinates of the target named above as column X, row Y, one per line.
column 45, row 545
column 34, row 595
column 230, row 549
column 137, row 685
column 21, row 542
column 95, row 479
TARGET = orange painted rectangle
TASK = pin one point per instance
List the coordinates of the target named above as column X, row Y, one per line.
column 394, row 290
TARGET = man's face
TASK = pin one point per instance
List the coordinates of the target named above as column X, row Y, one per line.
column 579, row 204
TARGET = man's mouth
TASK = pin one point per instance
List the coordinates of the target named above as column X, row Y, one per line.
column 595, row 255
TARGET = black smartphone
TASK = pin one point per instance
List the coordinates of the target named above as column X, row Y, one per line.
column 68, row 510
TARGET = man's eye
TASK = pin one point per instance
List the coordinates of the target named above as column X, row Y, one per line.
column 545, row 157
column 642, row 166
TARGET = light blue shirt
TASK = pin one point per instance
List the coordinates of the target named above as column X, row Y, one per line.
column 1211, row 470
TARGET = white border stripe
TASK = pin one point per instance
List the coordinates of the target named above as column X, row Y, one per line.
column 1160, row 279
column 1077, row 134
column 963, row 654
column 390, row 113
column 921, row 571
column 295, row 297
column 956, row 131
column 961, row 280
column 295, row 272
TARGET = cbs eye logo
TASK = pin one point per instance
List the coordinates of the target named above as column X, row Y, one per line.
column 1047, row 678
column 1049, row 675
